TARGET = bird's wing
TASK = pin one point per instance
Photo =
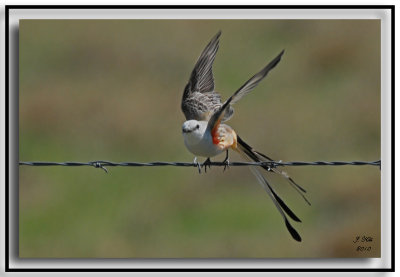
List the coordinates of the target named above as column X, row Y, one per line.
column 201, row 79
column 219, row 114
column 199, row 99
column 200, row 106
column 253, row 81
column 225, row 111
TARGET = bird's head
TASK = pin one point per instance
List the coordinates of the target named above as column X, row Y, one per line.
column 194, row 129
column 191, row 126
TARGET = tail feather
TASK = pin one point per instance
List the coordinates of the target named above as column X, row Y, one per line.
column 258, row 157
column 278, row 203
column 249, row 154
column 282, row 173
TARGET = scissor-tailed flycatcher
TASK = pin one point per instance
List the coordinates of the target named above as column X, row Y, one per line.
column 206, row 136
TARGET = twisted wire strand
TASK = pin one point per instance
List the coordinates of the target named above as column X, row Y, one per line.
column 271, row 164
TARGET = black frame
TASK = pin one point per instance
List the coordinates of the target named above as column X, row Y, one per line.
column 7, row 144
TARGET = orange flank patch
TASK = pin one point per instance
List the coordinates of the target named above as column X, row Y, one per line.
column 234, row 145
column 214, row 133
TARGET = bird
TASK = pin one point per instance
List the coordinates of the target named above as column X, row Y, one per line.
column 206, row 134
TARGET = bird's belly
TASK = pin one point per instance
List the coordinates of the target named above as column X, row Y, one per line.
column 203, row 148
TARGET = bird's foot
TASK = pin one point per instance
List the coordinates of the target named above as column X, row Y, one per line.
column 207, row 163
column 197, row 164
column 226, row 161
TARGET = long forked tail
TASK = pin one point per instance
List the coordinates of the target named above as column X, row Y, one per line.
column 259, row 157
column 251, row 155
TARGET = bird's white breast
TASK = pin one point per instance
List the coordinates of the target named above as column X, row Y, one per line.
column 201, row 144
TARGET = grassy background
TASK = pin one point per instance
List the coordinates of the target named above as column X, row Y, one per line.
column 111, row 90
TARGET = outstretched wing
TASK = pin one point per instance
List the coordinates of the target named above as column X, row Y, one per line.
column 219, row 114
column 225, row 111
column 201, row 79
column 253, row 81
column 199, row 100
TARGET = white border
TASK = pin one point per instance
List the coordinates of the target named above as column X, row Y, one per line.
column 384, row 15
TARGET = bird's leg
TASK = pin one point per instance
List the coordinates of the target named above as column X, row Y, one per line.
column 197, row 164
column 207, row 163
column 226, row 160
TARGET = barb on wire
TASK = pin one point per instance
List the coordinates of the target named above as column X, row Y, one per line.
column 271, row 164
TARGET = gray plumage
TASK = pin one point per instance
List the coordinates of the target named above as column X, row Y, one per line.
column 200, row 101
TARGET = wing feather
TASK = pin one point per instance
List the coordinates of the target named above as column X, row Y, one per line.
column 253, row 81
column 202, row 79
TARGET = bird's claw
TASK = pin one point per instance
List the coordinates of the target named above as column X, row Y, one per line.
column 197, row 164
column 226, row 164
column 226, row 161
column 206, row 163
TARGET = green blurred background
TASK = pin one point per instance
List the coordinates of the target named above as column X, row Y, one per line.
column 111, row 90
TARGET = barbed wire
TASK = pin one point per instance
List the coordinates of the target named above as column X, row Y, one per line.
column 271, row 164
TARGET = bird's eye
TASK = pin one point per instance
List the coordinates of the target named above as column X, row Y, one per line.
column 198, row 126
